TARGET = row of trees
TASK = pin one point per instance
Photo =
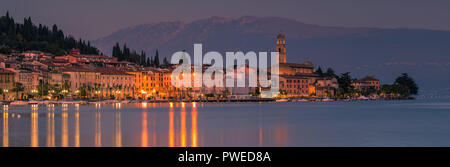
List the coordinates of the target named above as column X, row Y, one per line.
column 328, row 73
column 27, row 36
column 404, row 85
column 124, row 54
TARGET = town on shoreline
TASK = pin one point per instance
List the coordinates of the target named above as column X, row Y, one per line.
column 39, row 64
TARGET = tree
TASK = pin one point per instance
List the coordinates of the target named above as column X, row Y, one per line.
column 142, row 59
column 43, row 89
column 408, row 82
column 330, row 73
column 149, row 62
column 395, row 90
column 166, row 63
column 320, row 72
column 2, row 93
column 156, row 60
column 116, row 51
column 17, row 87
column 28, row 36
column 81, row 91
column 345, row 84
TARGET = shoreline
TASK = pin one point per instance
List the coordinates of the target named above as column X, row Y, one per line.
column 279, row 100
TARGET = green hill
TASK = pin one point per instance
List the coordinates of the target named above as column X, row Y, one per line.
column 27, row 36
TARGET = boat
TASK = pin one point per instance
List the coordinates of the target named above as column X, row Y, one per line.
column 374, row 98
column 302, row 100
column 362, row 98
column 33, row 102
column 82, row 102
column 328, row 99
column 282, row 100
column 19, row 102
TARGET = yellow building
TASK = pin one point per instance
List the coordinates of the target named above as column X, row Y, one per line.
column 115, row 84
column 82, row 78
column 138, row 83
column 6, row 83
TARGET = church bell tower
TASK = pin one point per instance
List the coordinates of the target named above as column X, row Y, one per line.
column 281, row 47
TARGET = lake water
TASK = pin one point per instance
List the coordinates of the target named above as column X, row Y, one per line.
column 365, row 123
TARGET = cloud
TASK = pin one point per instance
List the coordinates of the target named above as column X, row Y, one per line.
column 400, row 63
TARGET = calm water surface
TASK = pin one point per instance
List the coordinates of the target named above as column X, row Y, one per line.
column 369, row 123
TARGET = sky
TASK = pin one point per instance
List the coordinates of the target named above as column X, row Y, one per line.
column 92, row 19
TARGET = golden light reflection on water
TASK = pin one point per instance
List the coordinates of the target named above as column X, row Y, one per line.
column 5, row 128
column 144, row 133
column 171, row 127
column 34, row 129
column 64, row 130
column 179, row 137
column 144, row 105
column 77, row 129
column 183, row 126
column 194, row 125
column 98, row 130
column 50, row 129
column 118, row 130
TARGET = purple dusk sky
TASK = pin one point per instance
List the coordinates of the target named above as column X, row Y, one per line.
column 91, row 19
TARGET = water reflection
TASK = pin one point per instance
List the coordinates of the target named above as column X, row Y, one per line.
column 34, row 129
column 64, row 130
column 50, row 129
column 147, row 125
column 194, row 125
column 171, row 127
column 183, row 126
column 118, row 130
column 5, row 128
column 98, row 130
column 144, row 133
column 77, row 129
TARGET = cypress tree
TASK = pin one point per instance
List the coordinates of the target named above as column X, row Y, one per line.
column 156, row 60
column 149, row 62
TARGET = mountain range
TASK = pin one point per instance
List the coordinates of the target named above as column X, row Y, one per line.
column 384, row 53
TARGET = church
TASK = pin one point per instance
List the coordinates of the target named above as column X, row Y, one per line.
column 298, row 80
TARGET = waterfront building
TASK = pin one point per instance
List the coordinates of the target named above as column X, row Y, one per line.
column 29, row 80
column 325, row 86
column 368, row 82
column 137, row 83
column 6, row 83
column 82, row 78
column 290, row 68
column 114, row 84
column 298, row 80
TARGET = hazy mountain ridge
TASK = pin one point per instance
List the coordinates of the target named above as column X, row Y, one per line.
column 385, row 53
